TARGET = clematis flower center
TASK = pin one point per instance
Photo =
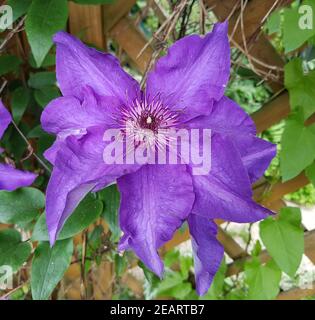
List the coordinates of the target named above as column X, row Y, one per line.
column 145, row 121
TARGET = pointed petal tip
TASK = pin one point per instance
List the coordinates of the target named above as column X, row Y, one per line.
column 158, row 270
column 123, row 243
column 201, row 291
column 12, row 179
column 52, row 231
column 221, row 27
column 225, row 23
column 154, row 264
column 60, row 36
column 52, row 242
column 203, row 282
column 33, row 177
column 266, row 212
column 52, row 237
column 67, row 39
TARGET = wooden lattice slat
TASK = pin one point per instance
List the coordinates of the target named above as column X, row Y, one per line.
column 132, row 41
column 297, row 293
column 115, row 12
column 87, row 20
column 272, row 112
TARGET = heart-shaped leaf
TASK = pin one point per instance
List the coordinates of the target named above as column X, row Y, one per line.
column 44, row 19
column 20, row 206
column 263, row 280
column 13, row 252
column 49, row 266
column 284, row 239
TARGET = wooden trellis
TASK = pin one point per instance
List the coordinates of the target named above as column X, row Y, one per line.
column 113, row 22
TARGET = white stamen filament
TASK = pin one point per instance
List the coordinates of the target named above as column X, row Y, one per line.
column 144, row 122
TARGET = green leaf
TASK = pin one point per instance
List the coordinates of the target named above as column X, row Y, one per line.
column 49, row 266
column 151, row 277
column 44, row 95
column 111, row 198
column 293, row 35
column 43, row 20
column 171, row 257
column 19, row 7
column 185, row 263
column 41, row 80
column 297, row 143
column 236, row 294
column 180, row 291
column 14, row 143
column 273, row 23
column 284, row 239
column 85, row 214
column 9, row 63
column 95, row 238
column 36, row 132
column 170, row 280
column 120, row 265
column 263, row 280
column 13, row 252
column 49, row 61
column 310, row 173
column 257, row 249
column 45, row 140
column 301, row 87
column 20, row 206
column 20, row 100
column 173, row 285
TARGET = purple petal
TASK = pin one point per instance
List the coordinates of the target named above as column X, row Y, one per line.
column 5, row 119
column 64, row 193
column 207, row 251
column 79, row 66
column 256, row 155
column 67, row 114
column 79, row 168
column 228, row 119
column 226, row 192
column 194, row 73
column 154, row 202
column 51, row 153
column 12, row 179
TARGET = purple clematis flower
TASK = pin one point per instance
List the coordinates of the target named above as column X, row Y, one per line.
column 185, row 90
column 11, row 178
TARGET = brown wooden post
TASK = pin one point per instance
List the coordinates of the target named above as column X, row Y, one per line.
column 272, row 112
column 132, row 41
column 86, row 21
